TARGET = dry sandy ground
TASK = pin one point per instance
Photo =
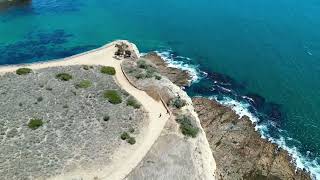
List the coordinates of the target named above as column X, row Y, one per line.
column 127, row 156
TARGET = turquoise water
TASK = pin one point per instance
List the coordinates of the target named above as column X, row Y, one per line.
column 263, row 54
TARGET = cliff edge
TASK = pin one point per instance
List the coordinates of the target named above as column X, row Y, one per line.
column 238, row 150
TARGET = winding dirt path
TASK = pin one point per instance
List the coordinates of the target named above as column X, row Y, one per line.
column 127, row 157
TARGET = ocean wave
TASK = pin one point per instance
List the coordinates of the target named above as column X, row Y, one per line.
column 242, row 109
column 301, row 161
column 180, row 62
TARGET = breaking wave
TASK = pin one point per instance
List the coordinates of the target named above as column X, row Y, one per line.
column 223, row 88
column 183, row 63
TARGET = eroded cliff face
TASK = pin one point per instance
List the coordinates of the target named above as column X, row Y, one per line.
column 239, row 151
column 174, row 155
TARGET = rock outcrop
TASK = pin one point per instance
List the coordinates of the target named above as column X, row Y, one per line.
column 239, row 151
column 177, row 76
column 174, row 155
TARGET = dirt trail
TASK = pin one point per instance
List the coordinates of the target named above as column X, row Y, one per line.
column 127, row 157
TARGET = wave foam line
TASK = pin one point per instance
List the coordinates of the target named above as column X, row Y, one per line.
column 298, row 159
column 194, row 71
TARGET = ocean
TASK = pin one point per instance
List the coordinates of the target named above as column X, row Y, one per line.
column 262, row 58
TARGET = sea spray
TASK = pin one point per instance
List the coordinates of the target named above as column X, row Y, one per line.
column 302, row 162
column 244, row 108
column 183, row 63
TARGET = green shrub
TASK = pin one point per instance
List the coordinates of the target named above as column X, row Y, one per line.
column 39, row 99
column 131, row 140
column 186, row 126
column 178, row 102
column 125, row 136
column 83, row 84
column 131, row 130
column 142, row 64
column 64, row 76
column 85, row 67
column 35, row 123
column 108, row 70
column 150, row 72
column 158, row 77
column 133, row 102
column 106, row 118
column 140, row 76
column 23, row 71
column 112, row 96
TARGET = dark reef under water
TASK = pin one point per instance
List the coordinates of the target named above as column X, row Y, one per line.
column 37, row 46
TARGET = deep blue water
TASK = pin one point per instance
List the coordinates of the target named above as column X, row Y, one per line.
column 265, row 51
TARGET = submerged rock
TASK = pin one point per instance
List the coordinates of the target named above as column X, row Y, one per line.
column 239, row 151
column 5, row 4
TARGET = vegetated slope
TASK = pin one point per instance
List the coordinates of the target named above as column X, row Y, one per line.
column 181, row 151
column 57, row 119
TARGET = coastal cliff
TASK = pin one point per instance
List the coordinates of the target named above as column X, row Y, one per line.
column 120, row 116
column 239, row 151
column 182, row 150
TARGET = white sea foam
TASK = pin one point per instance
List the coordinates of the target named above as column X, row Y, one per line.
column 196, row 74
column 242, row 109
column 299, row 160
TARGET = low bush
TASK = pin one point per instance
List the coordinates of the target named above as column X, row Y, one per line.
column 140, row 76
column 106, row 118
column 133, row 102
column 178, row 102
column 108, row 70
column 150, row 72
column 39, row 99
column 131, row 130
column 23, row 71
column 131, row 140
column 112, row 96
column 142, row 64
column 64, row 76
column 186, row 126
column 85, row 67
column 158, row 77
column 35, row 123
column 125, row 136
column 83, row 84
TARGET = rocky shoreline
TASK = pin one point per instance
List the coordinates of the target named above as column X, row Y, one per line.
column 177, row 76
column 239, row 151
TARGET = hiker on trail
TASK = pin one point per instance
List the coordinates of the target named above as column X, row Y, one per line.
column 160, row 115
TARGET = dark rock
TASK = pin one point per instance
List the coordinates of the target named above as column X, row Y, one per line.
column 177, row 76
column 4, row 4
column 239, row 151
column 274, row 111
column 256, row 100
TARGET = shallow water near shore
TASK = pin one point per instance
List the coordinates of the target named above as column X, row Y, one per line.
column 261, row 56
